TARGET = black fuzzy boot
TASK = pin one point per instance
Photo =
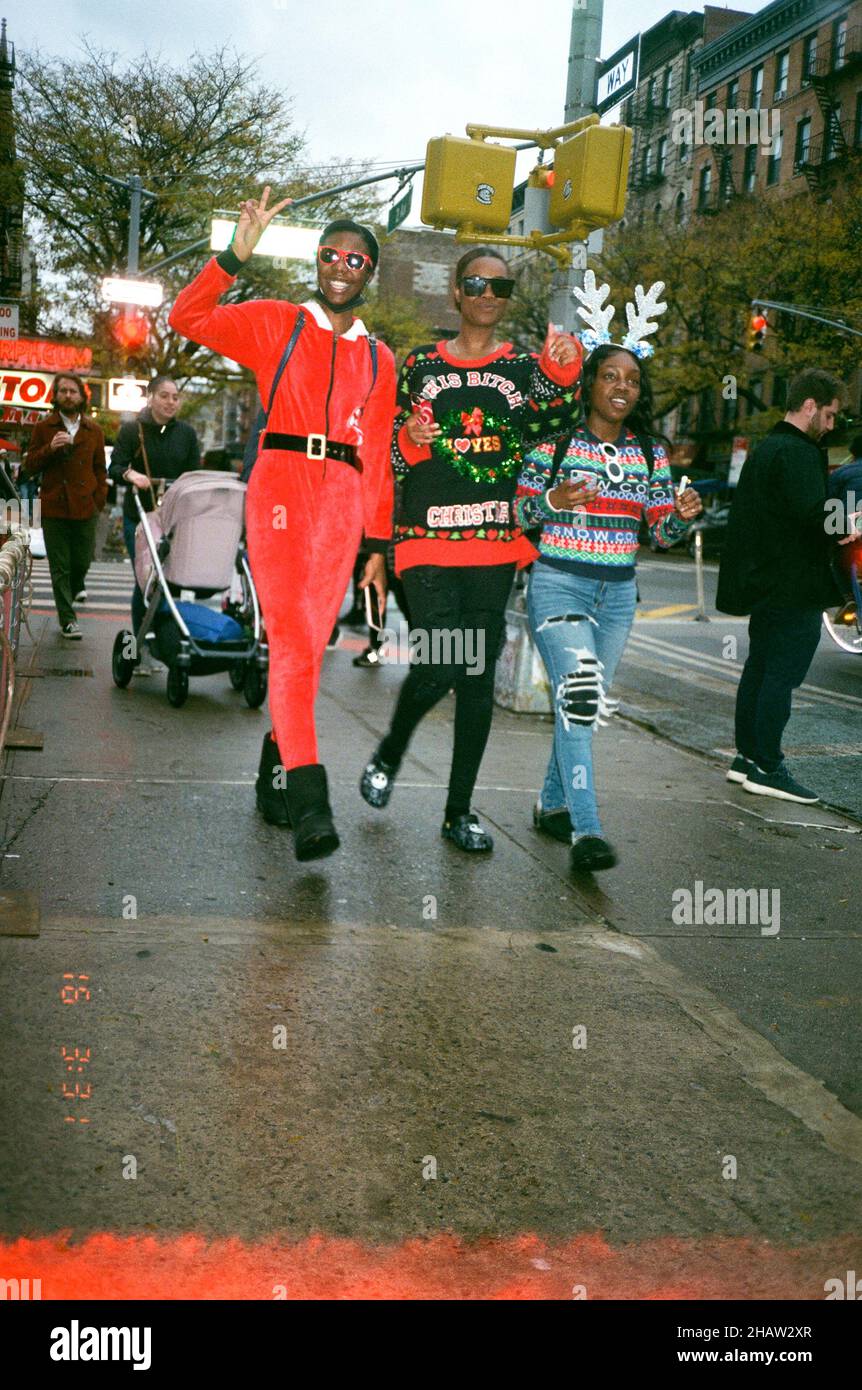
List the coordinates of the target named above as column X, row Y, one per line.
column 307, row 796
column 271, row 800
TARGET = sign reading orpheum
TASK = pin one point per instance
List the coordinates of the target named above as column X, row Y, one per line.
column 44, row 355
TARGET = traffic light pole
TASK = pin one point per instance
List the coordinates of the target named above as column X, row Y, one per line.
column 584, row 50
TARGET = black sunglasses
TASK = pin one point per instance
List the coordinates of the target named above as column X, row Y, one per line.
column 474, row 285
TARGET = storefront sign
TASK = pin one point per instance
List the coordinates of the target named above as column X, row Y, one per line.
column 44, row 355
column 127, row 393
column 14, row 415
column 26, row 388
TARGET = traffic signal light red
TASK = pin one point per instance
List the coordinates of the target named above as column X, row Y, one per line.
column 756, row 332
column 131, row 331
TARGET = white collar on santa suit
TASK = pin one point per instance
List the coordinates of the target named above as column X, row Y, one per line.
column 356, row 330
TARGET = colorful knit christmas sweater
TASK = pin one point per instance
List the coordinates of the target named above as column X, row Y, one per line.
column 601, row 543
column 458, row 493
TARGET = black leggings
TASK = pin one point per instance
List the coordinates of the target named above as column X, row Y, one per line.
column 457, row 617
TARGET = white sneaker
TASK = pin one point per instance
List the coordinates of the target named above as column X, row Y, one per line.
column 81, row 597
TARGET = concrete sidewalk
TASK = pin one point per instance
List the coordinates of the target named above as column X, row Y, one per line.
column 430, row 1005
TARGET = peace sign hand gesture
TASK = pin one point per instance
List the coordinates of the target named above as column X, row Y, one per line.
column 254, row 218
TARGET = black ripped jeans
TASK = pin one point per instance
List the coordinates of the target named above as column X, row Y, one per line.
column 457, row 617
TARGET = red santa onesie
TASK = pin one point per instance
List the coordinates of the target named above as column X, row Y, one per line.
column 306, row 509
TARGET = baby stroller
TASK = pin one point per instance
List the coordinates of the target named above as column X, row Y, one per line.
column 189, row 550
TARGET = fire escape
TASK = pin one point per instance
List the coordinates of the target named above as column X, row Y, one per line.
column 823, row 78
column 649, row 112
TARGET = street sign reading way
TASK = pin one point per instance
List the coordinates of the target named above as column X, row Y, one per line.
column 617, row 77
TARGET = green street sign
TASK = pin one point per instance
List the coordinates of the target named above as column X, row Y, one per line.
column 399, row 210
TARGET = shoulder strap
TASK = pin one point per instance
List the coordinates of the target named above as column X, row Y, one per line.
column 143, row 449
column 285, row 358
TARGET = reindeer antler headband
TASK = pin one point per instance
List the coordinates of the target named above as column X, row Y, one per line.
column 639, row 314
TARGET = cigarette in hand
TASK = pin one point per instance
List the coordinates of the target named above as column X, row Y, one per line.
column 683, row 484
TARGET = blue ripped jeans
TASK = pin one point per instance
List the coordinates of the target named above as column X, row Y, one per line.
column 580, row 627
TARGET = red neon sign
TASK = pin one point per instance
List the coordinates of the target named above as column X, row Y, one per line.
column 45, row 355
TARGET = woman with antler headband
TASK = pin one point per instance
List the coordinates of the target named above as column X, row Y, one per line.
column 588, row 495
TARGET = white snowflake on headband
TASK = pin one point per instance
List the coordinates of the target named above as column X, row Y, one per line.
column 639, row 315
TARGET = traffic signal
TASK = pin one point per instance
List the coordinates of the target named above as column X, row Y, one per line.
column 131, row 331
column 590, row 178
column 468, row 183
column 756, row 332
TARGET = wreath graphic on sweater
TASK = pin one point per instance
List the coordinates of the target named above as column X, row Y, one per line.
column 462, row 444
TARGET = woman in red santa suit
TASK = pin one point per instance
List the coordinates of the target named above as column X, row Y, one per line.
column 322, row 478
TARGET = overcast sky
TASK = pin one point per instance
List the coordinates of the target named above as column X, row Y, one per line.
column 370, row 79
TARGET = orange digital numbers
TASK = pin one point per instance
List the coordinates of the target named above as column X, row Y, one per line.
column 75, row 1058
column 75, row 988
column 73, row 993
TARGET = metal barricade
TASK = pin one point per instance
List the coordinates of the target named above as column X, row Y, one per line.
column 16, row 564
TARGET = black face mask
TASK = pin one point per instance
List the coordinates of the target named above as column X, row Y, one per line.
column 339, row 308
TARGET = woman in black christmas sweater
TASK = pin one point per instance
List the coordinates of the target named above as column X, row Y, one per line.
column 469, row 409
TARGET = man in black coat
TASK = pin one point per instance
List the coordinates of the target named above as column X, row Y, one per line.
column 171, row 448
column 775, row 565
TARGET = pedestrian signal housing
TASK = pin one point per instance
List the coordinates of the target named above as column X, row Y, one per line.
column 591, row 177
column 468, row 183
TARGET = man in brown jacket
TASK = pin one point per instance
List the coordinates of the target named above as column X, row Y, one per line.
column 68, row 450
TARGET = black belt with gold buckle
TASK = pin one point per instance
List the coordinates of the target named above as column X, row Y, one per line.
column 314, row 446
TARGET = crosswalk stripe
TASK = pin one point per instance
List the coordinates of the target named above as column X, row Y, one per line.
column 730, row 669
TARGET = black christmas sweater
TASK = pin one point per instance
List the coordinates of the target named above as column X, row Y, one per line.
column 457, row 494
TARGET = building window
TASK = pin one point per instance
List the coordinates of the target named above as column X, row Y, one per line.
column 665, row 88
column 732, row 94
column 809, row 57
column 627, row 111
column 712, row 101
column 803, row 140
column 773, row 164
column 833, row 133
column 647, row 162
column 679, row 207
column 684, row 151
column 661, row 158
column 839, row 42
column 782, row 68
column 749, row 172
column 688, row 73
column 757, row 87
column 651, row 86
column 704, row 188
